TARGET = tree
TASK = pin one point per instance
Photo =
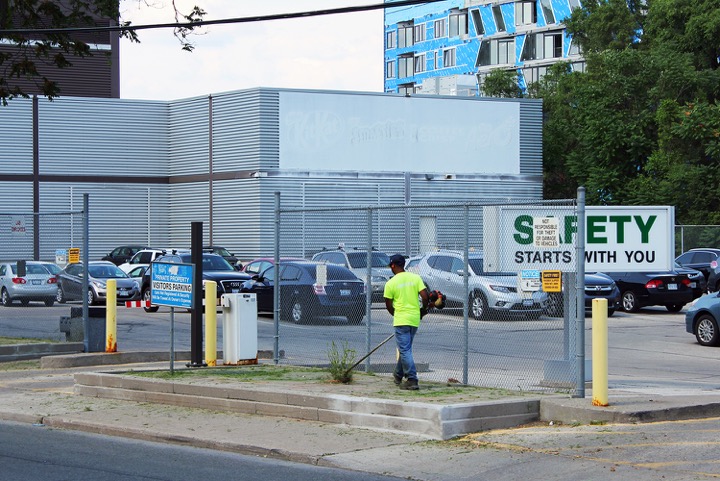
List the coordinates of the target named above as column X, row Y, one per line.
column 502, row 83
column 30, row 51
column 641, row 124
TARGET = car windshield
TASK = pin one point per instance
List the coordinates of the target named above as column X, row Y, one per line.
column 52, row 268
column 106, row 272
column 358, row 260
column 213, row 263
column 31, row 269
column 222, row 252
column 335, row 273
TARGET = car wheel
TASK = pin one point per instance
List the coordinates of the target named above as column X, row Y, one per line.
column 674, row 307
column 554, row 306
column 630, row 302
column 49, row 302
column 706, row 331
column 91, row 297
column 6, row 301
column 299, row 312
column 355, row 319
column 60, row 296
column 478, row 306
column 146, row 297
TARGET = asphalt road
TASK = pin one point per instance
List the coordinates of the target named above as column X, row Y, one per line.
column 39, row 453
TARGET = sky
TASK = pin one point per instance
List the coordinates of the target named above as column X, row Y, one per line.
column 334, row 52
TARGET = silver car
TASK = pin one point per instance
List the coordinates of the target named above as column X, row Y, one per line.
column 356, row 261
column 38, row 284
column 70, row 283
column 488, row 293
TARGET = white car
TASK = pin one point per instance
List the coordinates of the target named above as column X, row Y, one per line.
column 147, row 256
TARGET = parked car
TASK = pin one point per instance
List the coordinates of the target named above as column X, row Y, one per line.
column 703, row 259
column 642, row 289
column 713, row 282
column 697, row 280
column 70, row 285
column 146, row 256
column 256, row 266
column 356, row 261
column 137, row 272
column 597, row 286
column 303, row 298
column 214, row 268
column 490, row 293
column 38, row 284
column 225, row 254
column 702, row 318
column 122, row 254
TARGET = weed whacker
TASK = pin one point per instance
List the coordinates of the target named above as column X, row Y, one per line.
column 368, row 354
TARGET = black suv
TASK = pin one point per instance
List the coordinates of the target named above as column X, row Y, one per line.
column 214, row 268
column 703, row 259
column 122, row 254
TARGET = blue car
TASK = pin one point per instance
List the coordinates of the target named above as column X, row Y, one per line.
column 306, row 293
column 702, row 317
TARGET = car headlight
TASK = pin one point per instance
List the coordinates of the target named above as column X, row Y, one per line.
column 98, row 284
column 501, row 289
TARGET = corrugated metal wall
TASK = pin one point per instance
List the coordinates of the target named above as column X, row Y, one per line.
column 146, row 167
column 17, row 138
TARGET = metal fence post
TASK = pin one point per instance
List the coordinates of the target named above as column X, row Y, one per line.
column 86, row 275
column 580, row 289
column 276, row 291
column 368, row 287
column 466, row 276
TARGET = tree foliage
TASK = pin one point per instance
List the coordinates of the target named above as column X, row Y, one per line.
column 641, row 124
column 31, row 50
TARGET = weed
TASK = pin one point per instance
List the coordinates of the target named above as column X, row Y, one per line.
column 341, row 359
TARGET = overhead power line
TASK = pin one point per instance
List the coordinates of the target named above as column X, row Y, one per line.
column 203, row 23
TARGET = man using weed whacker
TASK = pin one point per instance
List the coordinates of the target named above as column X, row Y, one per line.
column 401, row 301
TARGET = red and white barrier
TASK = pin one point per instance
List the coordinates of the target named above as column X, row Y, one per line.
column 138, row 304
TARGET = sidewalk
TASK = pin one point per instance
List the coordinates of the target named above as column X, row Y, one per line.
column 47, row 397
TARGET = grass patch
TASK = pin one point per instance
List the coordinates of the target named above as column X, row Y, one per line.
column 6, row 341
column 242, row 374
column 20, row 365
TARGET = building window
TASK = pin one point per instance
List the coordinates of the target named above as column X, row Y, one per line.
column 499, row 20
column 552, row 45
column 458, row 24
column 578, row 67
column 420, row 63
column 506, row 50
column 405, row 66
column 574, row 49
column 525, row 13
column 406, row 89
column 439, row 26
column 529, row 51
column 449, row 57
column 390, row 69
column 483, row 58
column 405, row 35
column 574, row 4
column 533, row 74
column 547, row 11
column 390, row 40
column 477, row 20
column 419, row 33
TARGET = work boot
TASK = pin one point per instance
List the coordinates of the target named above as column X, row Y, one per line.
column 410, row 385
column 398, row 379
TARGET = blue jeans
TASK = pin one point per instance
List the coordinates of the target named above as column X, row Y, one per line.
column 405, row 367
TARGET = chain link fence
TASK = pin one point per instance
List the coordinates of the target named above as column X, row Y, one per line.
column 693, row 236
column 494, row 331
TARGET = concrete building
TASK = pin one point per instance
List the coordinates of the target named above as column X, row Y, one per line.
column 153, row 167
column 449, row 47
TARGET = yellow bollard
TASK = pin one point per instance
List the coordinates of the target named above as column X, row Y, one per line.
column 600, row 352
column 111, row 316
column 211, row 323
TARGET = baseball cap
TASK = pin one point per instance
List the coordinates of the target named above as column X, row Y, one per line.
column 398, row 260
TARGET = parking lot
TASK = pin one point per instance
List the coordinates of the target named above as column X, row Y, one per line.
column 649, row 351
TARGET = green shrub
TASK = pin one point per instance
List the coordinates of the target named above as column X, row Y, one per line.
column 340, row 362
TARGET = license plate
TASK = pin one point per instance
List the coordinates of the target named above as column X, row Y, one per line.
column 36, row 282
column 344, row 292
column 672, row 287
column 693, row 285
column 528, row 302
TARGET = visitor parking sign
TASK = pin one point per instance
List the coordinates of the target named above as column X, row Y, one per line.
column 172, row 285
